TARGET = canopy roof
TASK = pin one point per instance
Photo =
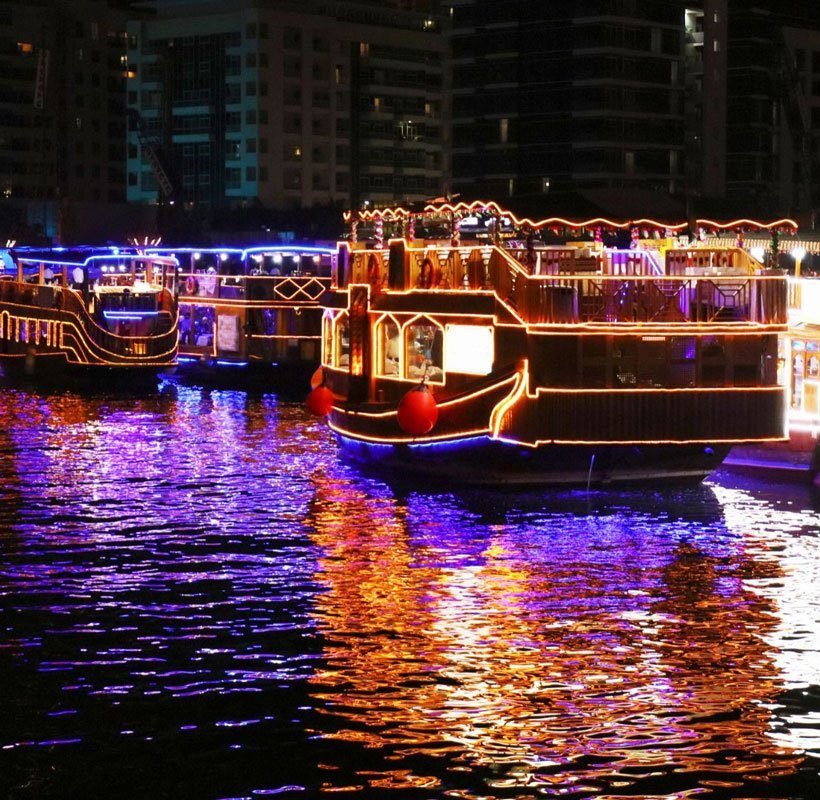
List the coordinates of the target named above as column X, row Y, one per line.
column 607, row 208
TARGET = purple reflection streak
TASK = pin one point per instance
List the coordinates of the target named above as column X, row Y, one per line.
column 537, row 648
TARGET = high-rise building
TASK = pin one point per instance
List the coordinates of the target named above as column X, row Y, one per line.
column 574, row 95
column 709, row 100
column 286, row 104
column 773, row 103
column 62, row 87
column 753, row 118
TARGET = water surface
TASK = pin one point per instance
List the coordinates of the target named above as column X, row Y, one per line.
column 198, row 599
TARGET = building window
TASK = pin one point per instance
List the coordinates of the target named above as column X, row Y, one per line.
column 250, row 173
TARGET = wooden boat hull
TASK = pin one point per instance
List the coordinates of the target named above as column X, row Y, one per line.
column 55, row 369
column 484, row 461
column 282, row 377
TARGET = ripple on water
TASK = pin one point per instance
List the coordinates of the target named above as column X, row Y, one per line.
column 200, row 599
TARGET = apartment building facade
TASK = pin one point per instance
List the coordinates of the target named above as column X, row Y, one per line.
column 288, row 105
column 569, row 95
column 62, row 126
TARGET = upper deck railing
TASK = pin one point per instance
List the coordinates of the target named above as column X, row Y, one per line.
column 693, row 287
column 79, row 332
column 204, row 287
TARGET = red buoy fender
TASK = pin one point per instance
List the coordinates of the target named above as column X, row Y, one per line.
column 320, row 401
column 418, row 412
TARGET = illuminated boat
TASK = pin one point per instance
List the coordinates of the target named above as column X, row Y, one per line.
column 88, row 311
column 252, row 307
column 570, row 363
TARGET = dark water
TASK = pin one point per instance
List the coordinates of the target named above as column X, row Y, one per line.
column 199, row 601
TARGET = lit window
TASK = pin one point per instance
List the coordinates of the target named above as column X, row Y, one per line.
column 387, row 339
column 504, row 131
column 469, row 349
column 424, row 351
column 25, row 47
column 342, row 342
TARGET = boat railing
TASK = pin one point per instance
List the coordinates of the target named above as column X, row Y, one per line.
column 151, row 346
column 691, row 300
column 543, row 260
column 636, row 292
column 67, row 306
column 293, row 289
column 701, row 260
column 632, row 262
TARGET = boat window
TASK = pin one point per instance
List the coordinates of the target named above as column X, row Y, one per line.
column 813, row 370
column 424, row 351
column 342, row 340
column 387, row 338
column 185, row 327
column 269, row 326
column 327, row 340
column 469, row 349
column 203, row 326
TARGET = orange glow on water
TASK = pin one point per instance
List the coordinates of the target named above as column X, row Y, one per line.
column 613, row 683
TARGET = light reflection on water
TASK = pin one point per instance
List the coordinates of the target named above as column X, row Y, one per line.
column 199, row 600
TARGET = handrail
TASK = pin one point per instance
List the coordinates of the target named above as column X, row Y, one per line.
column 292, row 289
column 629, row 291
column 97, row 345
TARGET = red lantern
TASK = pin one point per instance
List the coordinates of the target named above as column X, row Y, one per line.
column 417, row 411
column 320, row 401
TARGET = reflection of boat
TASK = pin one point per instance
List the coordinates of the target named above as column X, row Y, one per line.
column 572, row 363
column 256, row 307
column 546, row 653
column 88, row 310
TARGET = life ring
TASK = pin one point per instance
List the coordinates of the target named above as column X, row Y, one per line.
column 191, row 286
column 373, row 276
column 426, row 274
